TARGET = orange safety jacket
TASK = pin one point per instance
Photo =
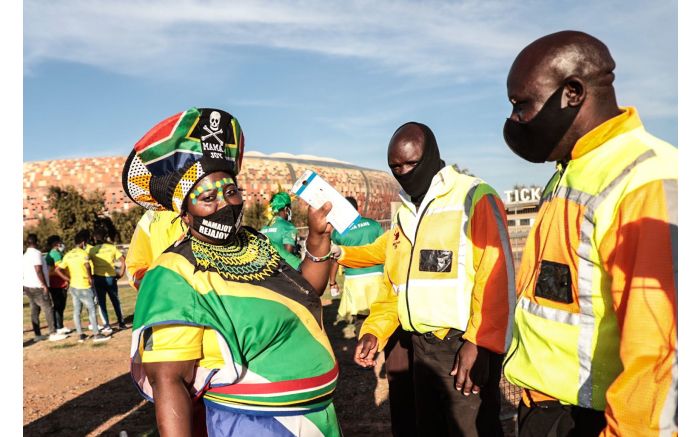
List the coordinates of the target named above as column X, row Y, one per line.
column 596, row 318
column 446, row 265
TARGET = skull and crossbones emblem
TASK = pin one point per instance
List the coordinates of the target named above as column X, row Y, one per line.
column 214, row 128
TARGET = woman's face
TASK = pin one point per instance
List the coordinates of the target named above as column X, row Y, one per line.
column 213, row 192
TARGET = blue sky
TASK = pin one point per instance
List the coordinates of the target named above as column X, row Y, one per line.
column 329, row 78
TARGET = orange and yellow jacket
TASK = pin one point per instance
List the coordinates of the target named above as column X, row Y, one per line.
column 596, row 318
column 154, row 233
column 446, row 265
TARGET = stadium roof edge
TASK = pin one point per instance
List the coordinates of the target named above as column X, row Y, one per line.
column 277, row 156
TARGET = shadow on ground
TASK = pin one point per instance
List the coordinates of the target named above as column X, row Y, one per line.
column 85, row 413
column 354, row 401
column 354, row 397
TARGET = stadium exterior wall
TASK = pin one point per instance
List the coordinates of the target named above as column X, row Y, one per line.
column 261, row 176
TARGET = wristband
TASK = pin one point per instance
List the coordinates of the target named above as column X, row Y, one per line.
column 318, row 259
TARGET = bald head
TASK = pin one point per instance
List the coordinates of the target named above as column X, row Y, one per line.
column 578, row 63
column 560, row 55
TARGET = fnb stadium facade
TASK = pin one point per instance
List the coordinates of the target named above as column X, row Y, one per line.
column 261, row 176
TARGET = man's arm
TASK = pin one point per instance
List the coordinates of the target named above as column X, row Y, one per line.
column 383, row 318
column 122, row 267
column 493, row 293
column 640, row 254
column 40, row 274
column 365, row 256
column 62, row 273
column 88, row 269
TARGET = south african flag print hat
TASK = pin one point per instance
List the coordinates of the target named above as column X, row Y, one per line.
column 179, row 151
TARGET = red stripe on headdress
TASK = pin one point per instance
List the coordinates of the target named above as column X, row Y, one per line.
column 159, row 132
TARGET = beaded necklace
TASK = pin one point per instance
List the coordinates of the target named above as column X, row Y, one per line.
column 247, row 258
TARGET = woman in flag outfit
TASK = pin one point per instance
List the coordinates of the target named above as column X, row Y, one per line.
column 220, row 316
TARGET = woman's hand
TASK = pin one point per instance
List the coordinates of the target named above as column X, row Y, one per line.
column 318, row 222
column 318, row 243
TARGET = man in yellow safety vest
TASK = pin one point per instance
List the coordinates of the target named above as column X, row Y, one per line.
column 449, row 281
column 595, row 337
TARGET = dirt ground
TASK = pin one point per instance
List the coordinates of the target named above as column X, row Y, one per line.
column 73, row 389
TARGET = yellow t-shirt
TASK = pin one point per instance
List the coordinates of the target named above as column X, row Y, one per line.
column 182, row 343
column 155, row 232
column 88, row 248
column 103, row 257
column 74, row 262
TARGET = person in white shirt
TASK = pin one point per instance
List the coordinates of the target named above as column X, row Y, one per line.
column 35, row 284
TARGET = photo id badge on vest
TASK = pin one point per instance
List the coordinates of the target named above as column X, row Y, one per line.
column 554, row 282
column 435, row 260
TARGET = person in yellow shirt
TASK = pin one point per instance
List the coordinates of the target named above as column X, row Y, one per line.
column 88, row 248
column 103, row 256
column 75, row 268
column 155, row 232
column 448, row 275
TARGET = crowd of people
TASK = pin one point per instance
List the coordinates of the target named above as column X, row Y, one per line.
column 228, row 337
column 88, row 272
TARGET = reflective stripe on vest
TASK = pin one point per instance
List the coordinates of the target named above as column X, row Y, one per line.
column 436, row 300
column 668, row 422
column 585, row 320
column 585, row 283
column 510, row 267
column 443, row 300
column 593, row 294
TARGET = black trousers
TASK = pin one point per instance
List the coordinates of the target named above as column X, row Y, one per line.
column 398, row 363
column 58, row 296
column 552, row 419
column 441, row 410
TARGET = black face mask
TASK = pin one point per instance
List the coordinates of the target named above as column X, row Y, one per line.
column 220, row 227
column 417, row 181
column 536, row 139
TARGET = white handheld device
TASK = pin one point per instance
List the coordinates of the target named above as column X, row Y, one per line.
column 316, row 191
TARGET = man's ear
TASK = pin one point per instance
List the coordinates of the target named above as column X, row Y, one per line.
column 574, row 92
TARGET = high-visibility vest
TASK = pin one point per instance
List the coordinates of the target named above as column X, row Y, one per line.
column 566, row 338
column 432, row 269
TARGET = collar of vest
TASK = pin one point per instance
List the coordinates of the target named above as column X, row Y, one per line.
column 625, row 122
column 441, row 184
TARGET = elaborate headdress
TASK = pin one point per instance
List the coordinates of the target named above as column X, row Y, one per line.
column 179, row 151
column 279, row 201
